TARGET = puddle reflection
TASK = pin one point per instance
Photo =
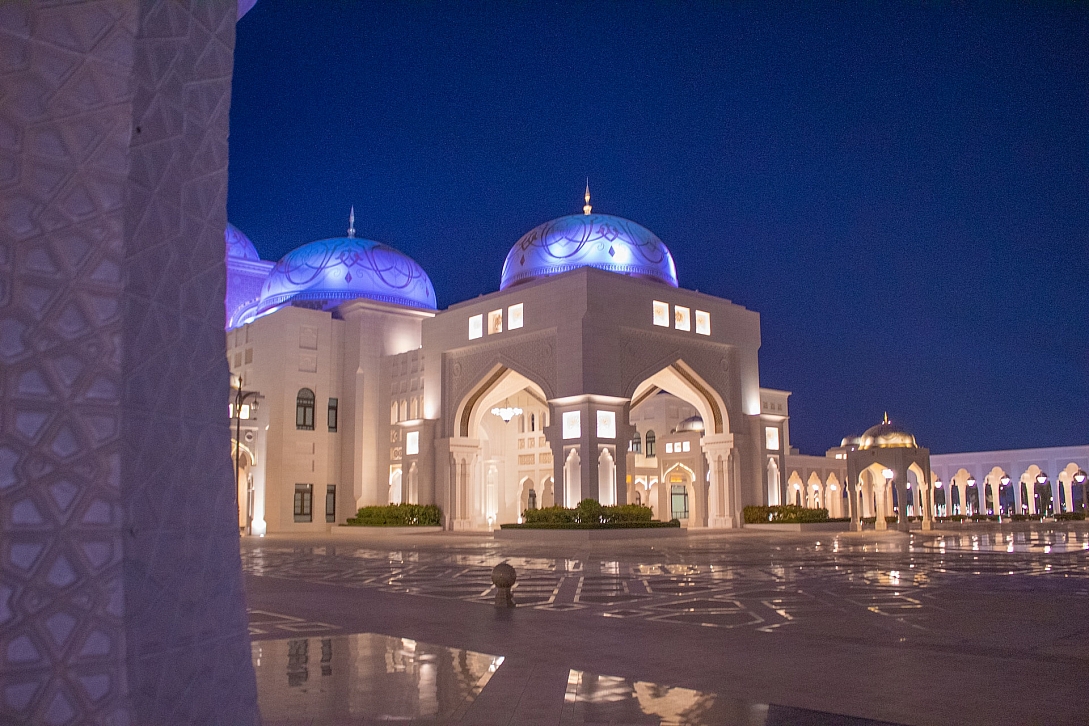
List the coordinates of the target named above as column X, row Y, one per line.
column 1032, row 542
column 597, row 699
column 319, row 680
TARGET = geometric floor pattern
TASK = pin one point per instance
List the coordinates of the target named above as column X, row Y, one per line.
column 902, row 579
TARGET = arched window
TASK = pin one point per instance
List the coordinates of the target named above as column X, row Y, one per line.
column 636, row 444
column 415, row 409
column 650, row 443
column 304, row 410
column 393, row 412
column 533, row 422
column 532, row 499
column 404, row 410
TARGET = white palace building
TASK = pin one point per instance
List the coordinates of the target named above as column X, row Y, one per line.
column 589, row 374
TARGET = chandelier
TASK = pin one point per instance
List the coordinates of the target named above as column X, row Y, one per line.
column 506, row 411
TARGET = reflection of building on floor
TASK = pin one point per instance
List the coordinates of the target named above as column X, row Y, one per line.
column 589, row 374
column 331, row 679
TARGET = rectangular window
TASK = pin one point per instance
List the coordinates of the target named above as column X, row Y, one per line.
column 669, row 448
column 606, row 425
column 703, row 323
column 682, row 319
column 412, row 443
column 514, row 317
column 686, row 446
column 476, row 327
column 304, row 410
column 332, row 417
column 572, row 424
column 661, row 314
column 678, row 494
column 771, row 438
column 304, row 502
column 495, row 322
column 331, row 503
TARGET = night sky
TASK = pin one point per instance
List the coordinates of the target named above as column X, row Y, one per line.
column 901, row 192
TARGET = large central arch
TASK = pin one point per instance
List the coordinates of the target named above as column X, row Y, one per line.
column 680, row 380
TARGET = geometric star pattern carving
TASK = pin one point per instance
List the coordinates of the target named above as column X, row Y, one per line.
column 120, row 582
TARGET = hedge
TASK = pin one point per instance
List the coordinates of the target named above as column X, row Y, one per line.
column 590, row 513
column 785, row 514
column 653, row 524
column 398, row 515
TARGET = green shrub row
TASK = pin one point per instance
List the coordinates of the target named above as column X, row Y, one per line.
column 589, row 512
column 398, row 515
column 784, row 514
column 1070, row 517
column 653, row 524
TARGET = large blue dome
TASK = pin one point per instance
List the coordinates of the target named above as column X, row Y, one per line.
column 330, row 271
column 238, row 244
column 588, row 240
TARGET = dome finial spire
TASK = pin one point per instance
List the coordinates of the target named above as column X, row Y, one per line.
column 886, row 417
column 351, row 222
column 586, row 207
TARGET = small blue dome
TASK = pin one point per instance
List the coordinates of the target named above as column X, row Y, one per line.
column 239, row 245
column 588, row 240
column 331, row 271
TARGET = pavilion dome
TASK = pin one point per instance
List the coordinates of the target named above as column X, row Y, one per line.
column 852, row 440
column 887, row 435
column 330, row 271
column 692, row 423
column 239, row 246
column 588, row 240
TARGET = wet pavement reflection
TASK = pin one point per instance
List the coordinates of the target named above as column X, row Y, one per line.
column 600, row 699
column 353, row 678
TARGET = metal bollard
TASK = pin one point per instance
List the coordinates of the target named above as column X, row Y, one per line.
column 503, row 577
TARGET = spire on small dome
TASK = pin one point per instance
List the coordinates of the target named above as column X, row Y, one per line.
column 886, row 418
column 351, row 222
column 586, row 207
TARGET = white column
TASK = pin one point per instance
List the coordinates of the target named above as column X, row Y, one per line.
column 723, row 509
column 882, row 494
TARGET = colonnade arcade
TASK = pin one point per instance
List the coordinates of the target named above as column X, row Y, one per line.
column 516, row 447
column 1030, row 491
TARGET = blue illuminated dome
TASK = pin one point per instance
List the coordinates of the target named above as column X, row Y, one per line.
column 238, row 244
column 589, row 240
column 331, row 271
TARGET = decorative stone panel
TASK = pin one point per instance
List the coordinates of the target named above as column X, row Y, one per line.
column 120, row 582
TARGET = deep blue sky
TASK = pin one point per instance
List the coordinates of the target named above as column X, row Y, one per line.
column 902, row 192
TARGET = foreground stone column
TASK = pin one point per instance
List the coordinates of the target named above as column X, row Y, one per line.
column 120, row 583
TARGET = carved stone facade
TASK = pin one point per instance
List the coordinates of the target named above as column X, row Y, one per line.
column 120, row 584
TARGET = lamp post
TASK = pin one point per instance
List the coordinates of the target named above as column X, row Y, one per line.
column 1003, row 482
column 1041, row 479
column 1079, row 477
column 240, row 398
column 945, row 507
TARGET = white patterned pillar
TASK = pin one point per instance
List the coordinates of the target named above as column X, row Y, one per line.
column 723, row 506
column 120, row 583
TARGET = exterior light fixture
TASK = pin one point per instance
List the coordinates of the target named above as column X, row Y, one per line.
column 938, row 484
column 971, row 481
column 1041, row 478
column 1079, row 477
column 506, row 411
column 888, row 474
column 1005, row 480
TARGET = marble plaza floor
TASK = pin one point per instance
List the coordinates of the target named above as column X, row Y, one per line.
column 987, row 625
